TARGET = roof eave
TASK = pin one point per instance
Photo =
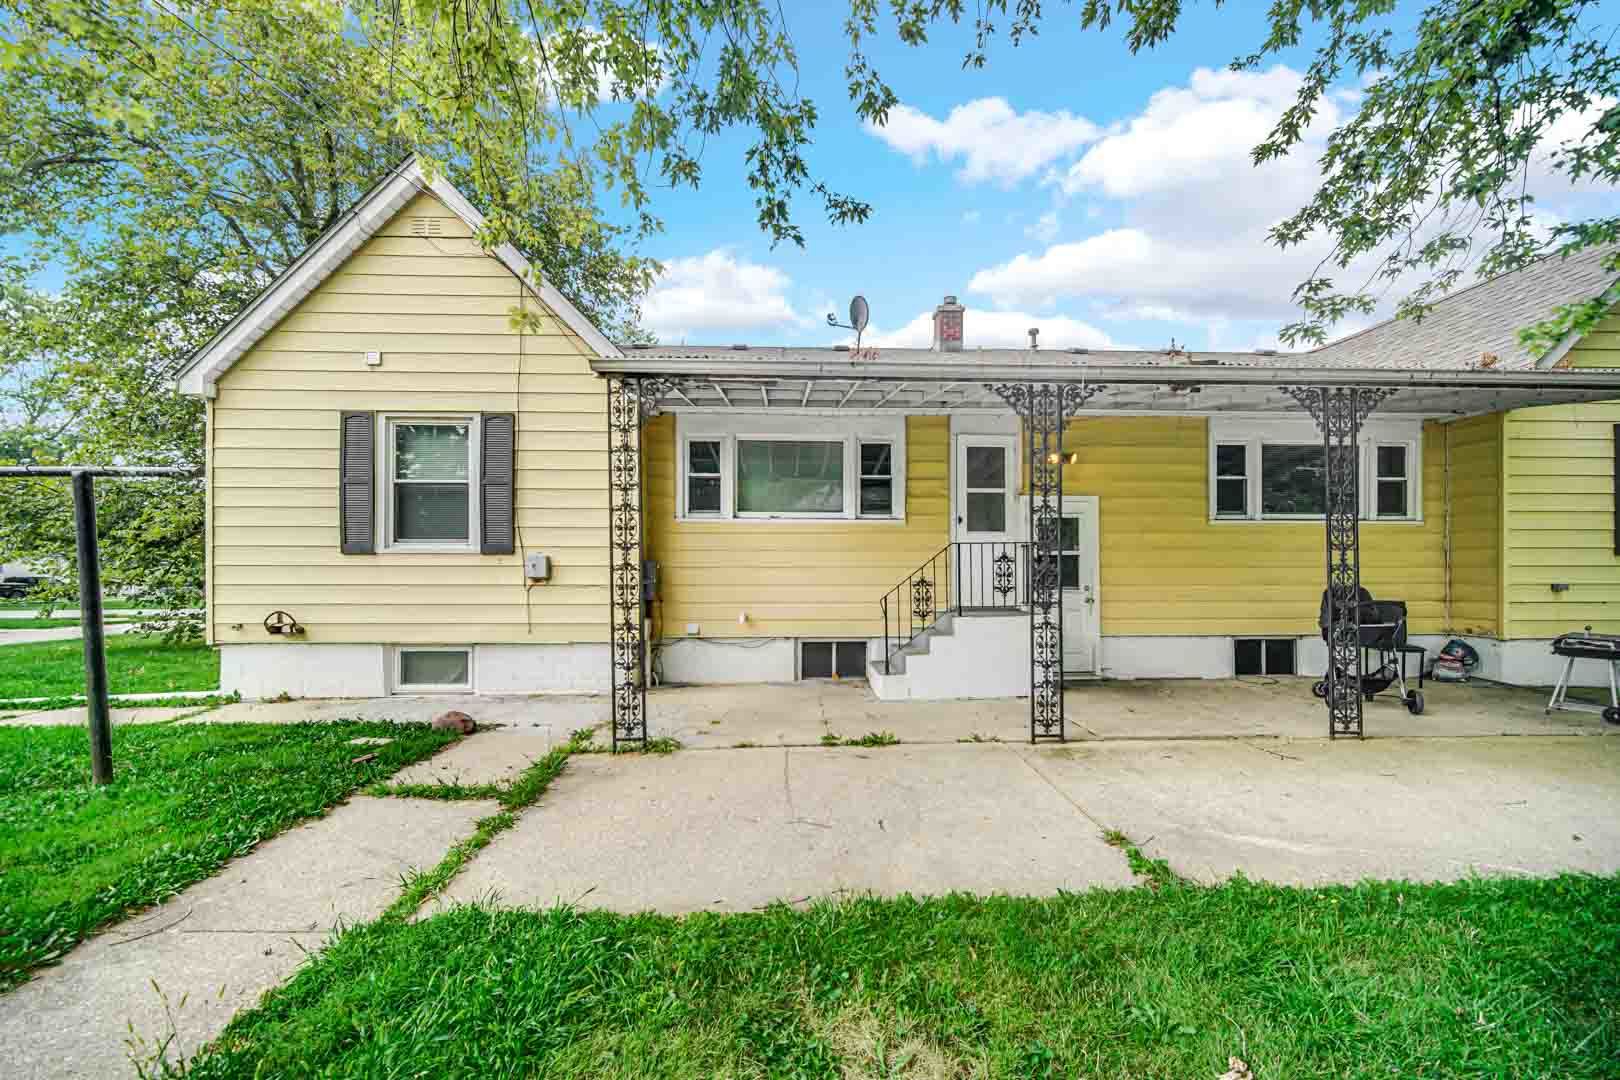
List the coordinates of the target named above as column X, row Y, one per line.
column 976, row 370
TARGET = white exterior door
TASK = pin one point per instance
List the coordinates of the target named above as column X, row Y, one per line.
column 1077, row 537
column 982, row 488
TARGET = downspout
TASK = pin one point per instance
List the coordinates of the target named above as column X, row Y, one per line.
column 1447, row 555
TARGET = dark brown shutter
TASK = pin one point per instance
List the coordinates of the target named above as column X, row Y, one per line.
column 357, row 519
column 1616, row 489
column 497, row 461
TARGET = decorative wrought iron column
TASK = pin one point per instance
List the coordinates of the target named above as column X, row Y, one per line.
column 1339, row 412
column 1043, row 408
column 629, row 404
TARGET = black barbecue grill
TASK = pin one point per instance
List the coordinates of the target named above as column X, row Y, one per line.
column 1585, row 645
column 1383, row 627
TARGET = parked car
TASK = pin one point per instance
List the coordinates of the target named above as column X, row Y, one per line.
column 17, row 586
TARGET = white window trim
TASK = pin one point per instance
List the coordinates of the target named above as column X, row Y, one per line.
column 385, row 480
column 401, row 686
column 728, row 430
column 1253, row 433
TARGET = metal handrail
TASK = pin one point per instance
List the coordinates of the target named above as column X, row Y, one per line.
column 964, row 575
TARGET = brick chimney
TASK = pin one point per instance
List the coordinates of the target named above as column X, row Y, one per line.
column 948, row 326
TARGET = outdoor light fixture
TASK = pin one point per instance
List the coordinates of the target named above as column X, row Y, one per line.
column 1071, row 458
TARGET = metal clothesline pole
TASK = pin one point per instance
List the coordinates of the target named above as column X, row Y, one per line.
column 90, row 615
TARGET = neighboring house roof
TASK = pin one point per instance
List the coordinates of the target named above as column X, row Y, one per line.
column 374, row 210
column 1480, row 320
column 1454, row 335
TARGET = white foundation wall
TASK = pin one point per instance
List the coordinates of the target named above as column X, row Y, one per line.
column 542, row 669
column 1531, row 662
column 330, row 670
column 728, row 660
column 303, row 670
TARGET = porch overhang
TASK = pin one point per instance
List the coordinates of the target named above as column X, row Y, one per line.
column 757, row 379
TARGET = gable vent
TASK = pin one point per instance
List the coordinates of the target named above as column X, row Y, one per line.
column 427, row 226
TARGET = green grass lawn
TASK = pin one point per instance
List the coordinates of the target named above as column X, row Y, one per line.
column 1478, row 979
column 135, row 665
column 183, row 801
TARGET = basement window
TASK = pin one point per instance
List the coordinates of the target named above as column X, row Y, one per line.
column 1263, row 656
column 434, row 669
column 832, row 659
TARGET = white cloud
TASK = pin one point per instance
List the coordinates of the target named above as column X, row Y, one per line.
column 993, row 140
column 991, row 329
column 716, row 294
column 1044, row 230
column 971, row 217
column 1194, row 207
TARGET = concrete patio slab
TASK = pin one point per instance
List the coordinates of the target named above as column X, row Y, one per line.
column 484, row 757
column 224, row 941
column 1311, row 812
column 735, row 830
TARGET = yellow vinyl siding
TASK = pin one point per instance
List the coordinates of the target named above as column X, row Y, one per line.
column 1601, row 347
column 1474, row 447
column 1559, row 490
column 440, row 313
column 1168, row 570
column 798, row 579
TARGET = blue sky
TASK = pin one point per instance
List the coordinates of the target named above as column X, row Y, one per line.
column 1104, row 197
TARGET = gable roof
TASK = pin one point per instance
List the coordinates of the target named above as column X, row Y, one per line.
column 375, row 209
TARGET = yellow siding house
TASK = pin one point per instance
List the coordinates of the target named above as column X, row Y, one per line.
column 411, row 488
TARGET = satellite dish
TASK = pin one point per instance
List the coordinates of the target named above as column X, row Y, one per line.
column 859, row 313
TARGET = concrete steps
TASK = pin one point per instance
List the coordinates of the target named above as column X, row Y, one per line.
column 968, row 655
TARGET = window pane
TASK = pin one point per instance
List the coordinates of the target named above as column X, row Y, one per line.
column 1069, row 569
column 433, row 667
column 1392, row 498
column 1069, row 533
column 702, row 494
column 430, row 512
column 780, row 477
column 1291, row 479
column 430, row 451
column 1247, row 656
column 703, row 457
column 986, row 512
column 1392, row 461
column 877, row 497
column 1232, row 498
column 1279, row 656
column 816, row 660
column 875, row 459
column 1231, row 460
column 987, row 467
column 851, row 659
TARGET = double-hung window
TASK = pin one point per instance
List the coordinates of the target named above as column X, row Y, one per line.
column 762, row 468
column 877, row 479
column 1391, row 486
column 1262, row 470
column 703, row 477
column 430, row 468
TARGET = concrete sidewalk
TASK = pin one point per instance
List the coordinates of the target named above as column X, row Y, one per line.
column 223, row 942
